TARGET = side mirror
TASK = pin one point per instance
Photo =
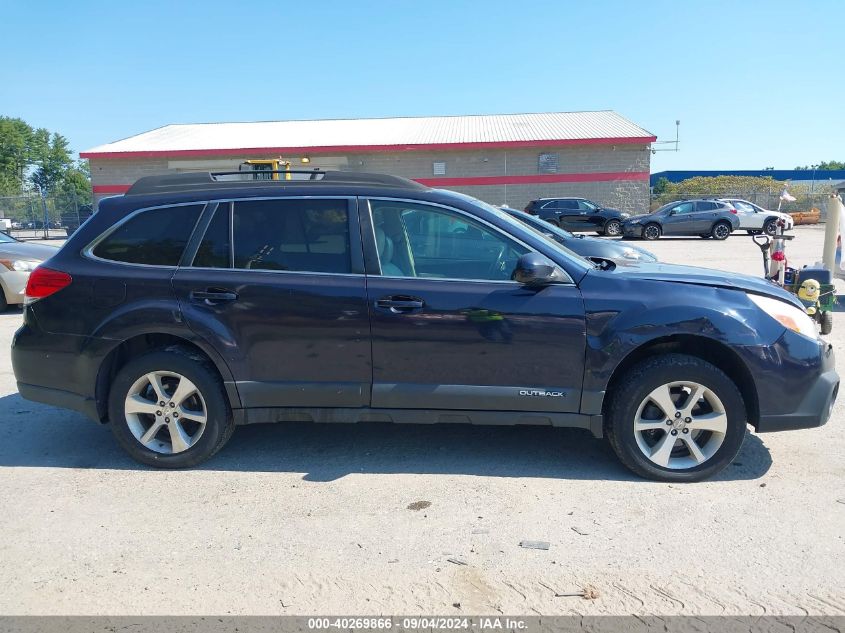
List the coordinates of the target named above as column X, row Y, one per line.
column 534, row 269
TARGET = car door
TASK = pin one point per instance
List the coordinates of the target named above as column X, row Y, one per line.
column 750, row 217
column 572, row 216
column 678, row 219
column 705, row 216
column 276, row 286
column 451, row 331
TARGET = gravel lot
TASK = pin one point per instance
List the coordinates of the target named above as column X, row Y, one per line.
column 309, row 519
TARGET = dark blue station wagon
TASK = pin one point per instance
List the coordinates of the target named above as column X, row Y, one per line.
column 195, row 303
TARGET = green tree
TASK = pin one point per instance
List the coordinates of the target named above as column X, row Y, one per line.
column 825, row 165
column 661, row 186
column 77, row 182
column 52, row 157
column 18, row 142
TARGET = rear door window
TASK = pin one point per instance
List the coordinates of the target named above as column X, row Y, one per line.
column 155, row 237
column 307, row 235
column 215, row 249
column 706, row 206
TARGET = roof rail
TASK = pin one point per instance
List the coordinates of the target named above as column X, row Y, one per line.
column 205, row 180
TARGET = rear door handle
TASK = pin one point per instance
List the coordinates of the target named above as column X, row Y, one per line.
column 400, row 303
column 214, row 295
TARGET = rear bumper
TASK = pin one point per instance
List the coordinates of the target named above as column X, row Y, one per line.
column 815, row 407
column 59, row 398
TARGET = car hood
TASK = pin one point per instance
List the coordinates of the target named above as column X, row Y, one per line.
column 22, row 250
column 639, row 216
column 706, row 277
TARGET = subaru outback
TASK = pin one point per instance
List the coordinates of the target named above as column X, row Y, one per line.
column 195, row 303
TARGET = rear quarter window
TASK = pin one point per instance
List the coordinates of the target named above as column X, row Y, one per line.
column 155, row 237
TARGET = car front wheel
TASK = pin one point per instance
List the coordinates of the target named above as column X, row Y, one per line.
column 676, row 418
column 612, row 228
column 651, row 231
column 167, row 408
column 771, row 228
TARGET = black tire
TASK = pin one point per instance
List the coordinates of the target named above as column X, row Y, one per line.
column 612, row 228
column 219, row 424
column 721, row 231
column 826, row 322
column 770, row 228
column 652, row 231
column 650, row 374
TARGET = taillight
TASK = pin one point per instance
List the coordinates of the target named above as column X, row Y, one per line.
column 732, row 210
column 44, row 282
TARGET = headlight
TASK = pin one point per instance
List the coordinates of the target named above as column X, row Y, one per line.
column 624, row 215
column 19, row 265
column 787, row 315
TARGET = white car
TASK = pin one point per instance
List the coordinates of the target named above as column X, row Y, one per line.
column 17, row 260
column 756, row 220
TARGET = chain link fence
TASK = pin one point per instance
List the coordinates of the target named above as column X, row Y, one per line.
column 31, row 217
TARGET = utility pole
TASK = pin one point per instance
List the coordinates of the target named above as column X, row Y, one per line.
column 46, row 213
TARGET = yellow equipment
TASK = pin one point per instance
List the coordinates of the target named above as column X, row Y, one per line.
column 267, row 169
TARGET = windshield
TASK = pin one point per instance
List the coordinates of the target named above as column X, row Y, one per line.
column 512, row 221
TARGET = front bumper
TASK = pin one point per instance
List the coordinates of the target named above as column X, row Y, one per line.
column 632, row 230
column 814, row 409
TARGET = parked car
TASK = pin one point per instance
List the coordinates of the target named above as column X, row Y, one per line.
column 189, row 305
column 17, row 260
column 705, row 218
column 72, row 221
column 578, row 214
column 589, row 247
column 756, row 220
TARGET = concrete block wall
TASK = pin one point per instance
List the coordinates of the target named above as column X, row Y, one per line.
column 621, row 192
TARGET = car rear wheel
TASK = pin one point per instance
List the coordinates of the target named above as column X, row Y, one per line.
column 676, row 418
column 612, row 228
column 168, row 408
column 721, row 231
column 651, row 231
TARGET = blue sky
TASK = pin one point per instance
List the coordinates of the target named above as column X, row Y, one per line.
column 755, row 84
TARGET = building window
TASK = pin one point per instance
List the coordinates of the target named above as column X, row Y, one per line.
column 548, row 163
column 438, row 168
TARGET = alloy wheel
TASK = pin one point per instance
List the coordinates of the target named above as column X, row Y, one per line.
column 613, row 228
column 721, row 231
column 651, row 232
column 680, row 425
column 165, row 412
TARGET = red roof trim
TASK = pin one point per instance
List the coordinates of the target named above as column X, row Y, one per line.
column 111, row 188
column 481, row 180
column 326, row 149
column 533, row 179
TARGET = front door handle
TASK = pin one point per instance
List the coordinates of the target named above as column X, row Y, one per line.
column 213, row 295
column 400, row 303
